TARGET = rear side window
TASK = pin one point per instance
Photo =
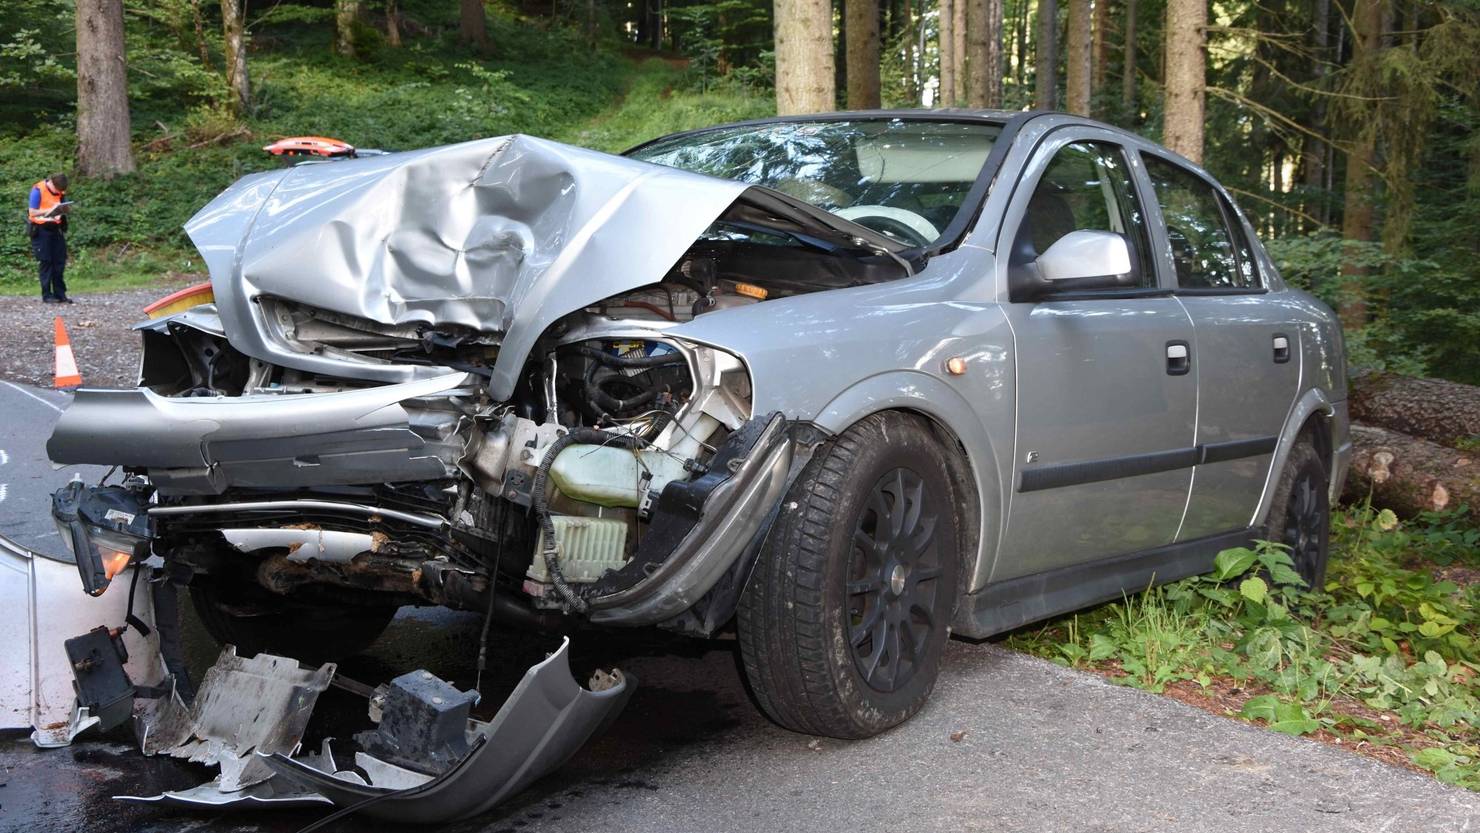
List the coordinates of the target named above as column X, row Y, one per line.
column 1088, row 185
column 1206, row 252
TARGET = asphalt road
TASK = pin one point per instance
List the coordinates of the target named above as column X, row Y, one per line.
column 27, row 478
column 1008, row 743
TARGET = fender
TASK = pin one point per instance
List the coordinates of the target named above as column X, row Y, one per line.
column 1313, row 401
column 912, row 390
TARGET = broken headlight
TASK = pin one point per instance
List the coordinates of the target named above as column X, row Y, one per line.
column 104, row 527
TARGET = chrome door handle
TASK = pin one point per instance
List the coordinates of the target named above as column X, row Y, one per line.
column 1281, row 348
column 1179, row 358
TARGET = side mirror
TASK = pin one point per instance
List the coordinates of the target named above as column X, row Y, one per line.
column 1080, row 260
column 1086, row 259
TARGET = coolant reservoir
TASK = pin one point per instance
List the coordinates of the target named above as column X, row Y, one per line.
column 610, row 476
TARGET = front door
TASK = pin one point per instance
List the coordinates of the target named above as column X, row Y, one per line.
column 1106, row 380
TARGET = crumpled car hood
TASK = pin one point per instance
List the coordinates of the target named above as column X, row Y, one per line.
column 502, row 236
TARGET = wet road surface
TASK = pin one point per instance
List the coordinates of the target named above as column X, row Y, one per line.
column 1036, row 747
column 1043, row 749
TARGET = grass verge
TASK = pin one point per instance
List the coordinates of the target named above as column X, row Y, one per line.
column 1381, row 660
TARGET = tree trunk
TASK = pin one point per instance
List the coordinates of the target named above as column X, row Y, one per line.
column 1020, row 39
column 1128, row 80
column 1101, row 47
column 233, row 30
column 1441, row 412
column 392, row 24
column 958, row 49
column 862, row 33
column 472, row 27
column 345, row 12
column 984, row 53
column 996, row 52
column 804, row 57
column 1046, row 56
column 1409, row 475
column 946, row 49
column 1313, row 150
column 103, row 127
column 201, row 45
column 911, row 69
column 1076, row 82
column 1182, row 124
column 1358, row 217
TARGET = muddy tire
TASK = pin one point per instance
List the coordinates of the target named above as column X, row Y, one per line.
column 1300, row 513
column 256, row 621
column 844, row 622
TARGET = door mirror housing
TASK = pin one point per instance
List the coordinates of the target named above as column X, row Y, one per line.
column 1086, row 255
column 1081, row 260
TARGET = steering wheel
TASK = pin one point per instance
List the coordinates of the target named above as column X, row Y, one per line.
column 899, row 223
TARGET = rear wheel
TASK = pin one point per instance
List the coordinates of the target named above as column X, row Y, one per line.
column 257, row 621
column 844, row 622
column 1300, row 514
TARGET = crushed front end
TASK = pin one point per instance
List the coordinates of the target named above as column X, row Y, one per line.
column 456, row 377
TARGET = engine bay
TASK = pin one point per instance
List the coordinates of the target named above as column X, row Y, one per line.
column 549, row 498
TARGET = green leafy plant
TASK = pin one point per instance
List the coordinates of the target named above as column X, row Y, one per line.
column 1382, row 634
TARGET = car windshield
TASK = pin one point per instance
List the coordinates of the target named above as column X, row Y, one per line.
column 905, row 178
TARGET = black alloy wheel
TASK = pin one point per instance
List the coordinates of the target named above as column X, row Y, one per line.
column 843, row 623
column 894, row 585
column 1300, row 514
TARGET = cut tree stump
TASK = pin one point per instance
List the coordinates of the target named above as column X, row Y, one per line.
column 1443, row 412
column 1410, row 475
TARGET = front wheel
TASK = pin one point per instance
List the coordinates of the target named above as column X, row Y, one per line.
column 257, row 621
column 844, row 622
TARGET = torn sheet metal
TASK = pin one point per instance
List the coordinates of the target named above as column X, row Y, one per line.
column 547, row 718
column 273, row 792
column 244, row 706
column 500, row 236
column 41, row 606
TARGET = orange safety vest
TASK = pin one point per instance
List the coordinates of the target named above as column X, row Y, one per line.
column 49, row 200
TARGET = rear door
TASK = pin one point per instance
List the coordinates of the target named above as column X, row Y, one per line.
column 1248, row 355
column 1105, row 419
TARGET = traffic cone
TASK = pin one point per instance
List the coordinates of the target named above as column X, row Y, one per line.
column 66, row 375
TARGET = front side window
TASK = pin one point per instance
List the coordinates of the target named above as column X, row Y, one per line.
column 904, row 178
column 1203, row 250
column 1087, row 186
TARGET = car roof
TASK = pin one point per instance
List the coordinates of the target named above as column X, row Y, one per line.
column 1013, row 120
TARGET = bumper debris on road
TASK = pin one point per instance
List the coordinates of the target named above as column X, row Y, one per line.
column 427, row 761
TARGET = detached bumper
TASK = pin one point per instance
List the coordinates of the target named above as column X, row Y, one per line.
column 206, row 445
column 545, row 721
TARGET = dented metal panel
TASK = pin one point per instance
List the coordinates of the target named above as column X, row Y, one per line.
column 244, row 708
column 458, row 236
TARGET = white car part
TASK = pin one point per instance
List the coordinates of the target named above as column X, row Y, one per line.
column 41, row 607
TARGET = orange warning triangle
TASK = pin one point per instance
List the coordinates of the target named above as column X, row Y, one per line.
column 66, row 366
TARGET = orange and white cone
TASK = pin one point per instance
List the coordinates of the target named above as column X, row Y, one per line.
column 66, row 375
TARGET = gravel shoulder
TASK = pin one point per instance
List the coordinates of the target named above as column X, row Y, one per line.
column 100, row 327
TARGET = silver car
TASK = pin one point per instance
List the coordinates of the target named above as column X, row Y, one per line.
column 849, row 383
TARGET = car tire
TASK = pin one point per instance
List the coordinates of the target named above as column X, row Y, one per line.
column 256, row 621
column 1300, row 513
column 844, row 621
